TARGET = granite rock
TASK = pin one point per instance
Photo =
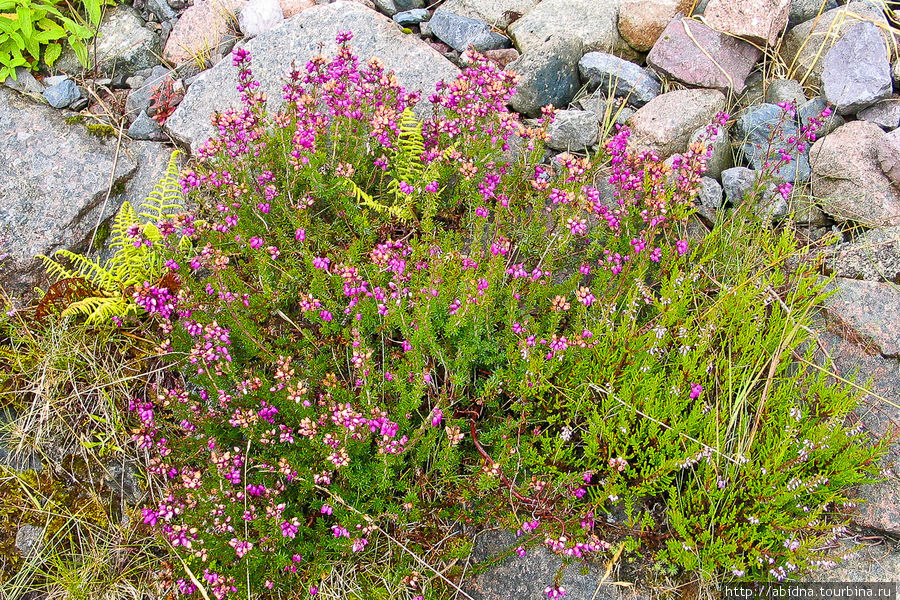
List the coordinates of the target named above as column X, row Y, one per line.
column 258, row 16
column 871, row 309
column 54, row 178
column 874, row 256
column 548, row 74
column 692, row 53
column 593, row 22
column 641, row 22
column 666, row 123
column 123, row 45
column 759, row 21
column 762, row 133
column 461, row 33
column 610, row 73
column 496, row 13
column 805, row 46
column 847, row 177
column 856, row 71
column 884, row 113
column 573, row 130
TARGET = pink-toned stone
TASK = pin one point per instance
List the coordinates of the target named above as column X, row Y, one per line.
column 200, row 29
column 665, row 124
column 848, row 180
column 641, row 22
column 295, row 7
column 889, row 156
column 760, row 21
column 690, row 52
column 502, row 57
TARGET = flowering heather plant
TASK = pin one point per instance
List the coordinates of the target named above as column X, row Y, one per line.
column 388, row 326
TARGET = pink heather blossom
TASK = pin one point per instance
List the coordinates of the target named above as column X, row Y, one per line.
column 696, row 390
column 300, row 235
column 256, row 242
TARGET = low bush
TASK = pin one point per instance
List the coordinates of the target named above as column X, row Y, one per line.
column 384, row 330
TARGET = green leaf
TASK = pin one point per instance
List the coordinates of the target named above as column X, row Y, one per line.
column 80, row 51
column 45, row 37
column 25, row 25
column 94, row 11
column 51, row 53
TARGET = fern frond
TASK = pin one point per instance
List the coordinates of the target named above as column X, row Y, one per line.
column 167, row 197
column 55, row 270
column 100, row 310
column 91, row 270
column 125, row 218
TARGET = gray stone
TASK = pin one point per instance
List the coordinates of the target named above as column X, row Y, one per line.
column 759, row 21
column 572, row 130
column 24, row 82
column 79, row 104
column 880, row 508
column 873, row 256
column 594, row 22
column 785, row 90
column 62, row 94
column 139, row 100
column 417, row 65
column 54, row 178
column 548, row 74
column 804, row 10
column 871, row 309
column 29, row 540
column 737, row 183
column 709, row 200
column 884, row 113
column 696, row 55
column 805, row 46
column 856, row 71
column 618, row 77
column 740, row 183
column 895, row 74
column 722, row 156
column 525, row 577
column 161, row 9
column 123, row 45
column 812, row 109
column 665, row 124
column 135, row 82
column 762, row 133
column 411, row 17
column 847, row 177
column 392, row 7
column 497, row 13
column 462, row 32
column 145, row 128
column 872, row 562
column 258, row 16
column 888, row 152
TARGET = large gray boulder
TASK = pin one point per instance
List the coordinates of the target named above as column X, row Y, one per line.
column 418, row 66
column 856, row 72
column 874, row 256
column 847, row 177
column 54, row 178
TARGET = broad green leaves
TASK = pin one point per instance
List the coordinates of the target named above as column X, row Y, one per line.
column 31, row 32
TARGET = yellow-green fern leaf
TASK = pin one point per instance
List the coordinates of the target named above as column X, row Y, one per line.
column 167, row 197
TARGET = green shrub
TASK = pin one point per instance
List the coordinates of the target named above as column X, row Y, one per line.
column 382, row 328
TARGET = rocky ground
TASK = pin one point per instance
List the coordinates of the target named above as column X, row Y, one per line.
column 76, row 144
